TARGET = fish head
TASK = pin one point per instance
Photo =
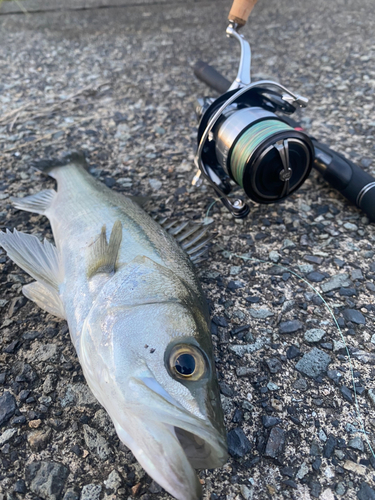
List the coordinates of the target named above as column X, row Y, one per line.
column 147, row 355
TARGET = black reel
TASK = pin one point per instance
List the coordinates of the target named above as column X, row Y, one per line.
column 242, row 140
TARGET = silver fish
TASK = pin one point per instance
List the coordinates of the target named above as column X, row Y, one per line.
column 137, row 318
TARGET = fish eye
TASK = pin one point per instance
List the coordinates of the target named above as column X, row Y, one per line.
column 187, row 362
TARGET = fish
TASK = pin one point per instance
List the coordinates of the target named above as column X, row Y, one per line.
column 137, row 317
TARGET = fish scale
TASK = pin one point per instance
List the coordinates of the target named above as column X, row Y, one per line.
column 137, row 318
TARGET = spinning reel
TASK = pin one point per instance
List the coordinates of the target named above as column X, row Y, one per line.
column 246, row 138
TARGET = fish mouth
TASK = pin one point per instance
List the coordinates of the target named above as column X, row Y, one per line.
column 170, row 443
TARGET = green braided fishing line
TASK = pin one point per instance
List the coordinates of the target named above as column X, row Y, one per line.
column 248, row 143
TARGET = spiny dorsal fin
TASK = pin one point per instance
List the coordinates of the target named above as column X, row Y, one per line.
column 40, row 260
column 103, row 255
column 45, row 297
column 36, row 203
column 191, row 237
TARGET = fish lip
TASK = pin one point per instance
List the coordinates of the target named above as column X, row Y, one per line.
column 184, row 423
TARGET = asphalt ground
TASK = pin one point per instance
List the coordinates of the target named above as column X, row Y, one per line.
column 118, row 84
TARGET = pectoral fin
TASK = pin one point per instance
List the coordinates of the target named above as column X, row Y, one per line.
column 40, row 260
column 102, row 255
column 37, row 203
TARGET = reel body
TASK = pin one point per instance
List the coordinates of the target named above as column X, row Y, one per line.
column 242, row 141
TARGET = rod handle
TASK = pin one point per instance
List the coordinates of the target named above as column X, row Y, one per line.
column 240, row 11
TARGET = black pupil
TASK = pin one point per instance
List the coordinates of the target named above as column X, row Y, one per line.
column 185, row 364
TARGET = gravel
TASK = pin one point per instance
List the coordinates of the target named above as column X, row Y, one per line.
column 290, row 326
column 314, row 335
column 47, row 479
column 7, row 407
column 314, row 363
column 354, row 316
column 238, row 443
column 118, row 83
column 275, row 444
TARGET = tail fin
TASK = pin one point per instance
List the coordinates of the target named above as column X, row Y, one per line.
column 47, row 166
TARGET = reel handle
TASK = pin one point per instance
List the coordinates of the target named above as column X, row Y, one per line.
column 211, row 77
column 240, row 11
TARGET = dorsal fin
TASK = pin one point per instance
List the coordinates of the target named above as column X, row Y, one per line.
column 192, row 237
column 102, row 255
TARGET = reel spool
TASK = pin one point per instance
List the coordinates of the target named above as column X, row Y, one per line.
column 262, row 154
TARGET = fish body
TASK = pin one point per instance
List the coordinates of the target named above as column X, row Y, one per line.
column 137, row 318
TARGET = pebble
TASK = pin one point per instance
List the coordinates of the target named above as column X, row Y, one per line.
column 356, row 443
column 354, row 316
column 78, row 395
column 340, row 489
column 91, row 492
column 246, row 371
column 274, row 256
column 274, row 365
column 242, row 349
column 7, row 407
column 269, row 421
column 39, row 439
column 306, row 268
column 300, row 385
column 316, row 464
column 113, row 481
column 292, row 352
column 337, row 281
column 7, row 436
column 354, row 467
column 313, row 363
column 96, row 443
column 356, row 274
column 302, row 471
column 271, row 386
column 287, row 244
column 327, row 495
column 350, row 226
column 314, row 335
column 371, row 395
column 315, row 489
column 276, row 442
column 290, row 326
column 347, row 394
column 238, row 444
column 316, row 277
column 71, row 494
column 366, row 492
column 329, row 446
column 47, row 479
column 322, row 435
column 155, row 488
column 155, row 184
column 261, row 313
column 348, row 292
column 20, row 486
column 335, row 376
column 44, row 353
column 246, row 492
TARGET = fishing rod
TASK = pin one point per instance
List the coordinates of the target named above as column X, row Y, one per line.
column 246, row 137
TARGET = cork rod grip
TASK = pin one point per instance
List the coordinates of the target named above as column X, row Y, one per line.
column 241, row 10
